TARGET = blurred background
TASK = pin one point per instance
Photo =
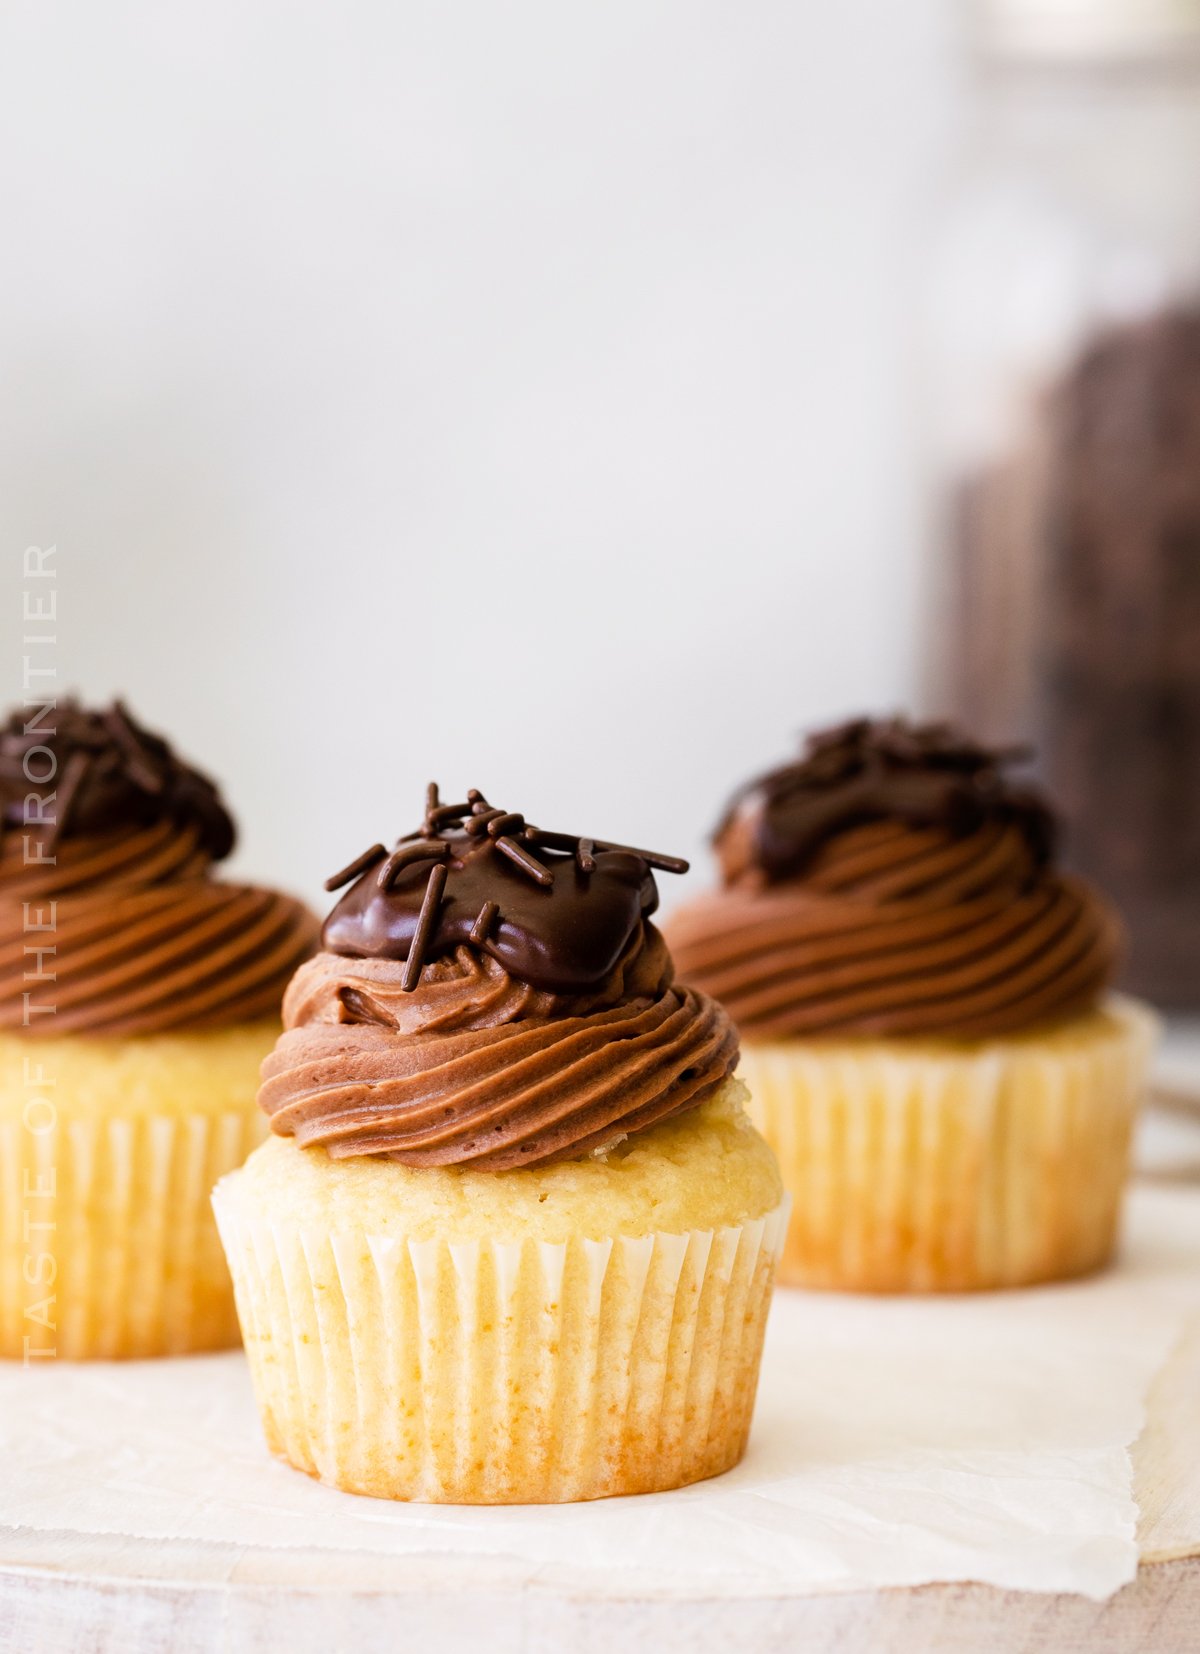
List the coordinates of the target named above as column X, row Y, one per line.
column 579, row 402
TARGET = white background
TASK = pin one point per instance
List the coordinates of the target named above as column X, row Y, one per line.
column 518, row 394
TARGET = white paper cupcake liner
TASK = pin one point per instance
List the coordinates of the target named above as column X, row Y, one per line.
column 921, row 1167
column 478, row 1371
column 108, row 1246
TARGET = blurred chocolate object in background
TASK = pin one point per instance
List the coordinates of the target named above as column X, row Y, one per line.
column 1065, row 340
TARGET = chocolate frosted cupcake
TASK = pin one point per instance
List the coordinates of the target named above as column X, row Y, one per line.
column 513, row 1238
column 922, row 999
column 138, row 995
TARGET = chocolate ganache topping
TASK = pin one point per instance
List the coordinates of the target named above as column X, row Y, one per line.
column 112, row 923
column 895, row 880
column 491, row 995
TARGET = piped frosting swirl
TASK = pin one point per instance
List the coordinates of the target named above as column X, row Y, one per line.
column 479, row 1007
column 894, row 882
column 112, row 922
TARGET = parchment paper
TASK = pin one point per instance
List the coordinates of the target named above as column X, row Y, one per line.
column 897, row 1442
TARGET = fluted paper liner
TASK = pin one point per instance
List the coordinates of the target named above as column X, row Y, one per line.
column 121, row 1208
column 494, row 1372
column 949, row 1169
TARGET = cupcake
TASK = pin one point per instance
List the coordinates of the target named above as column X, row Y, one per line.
column 513, row 1238
column 138, row 996
column 927, row 1033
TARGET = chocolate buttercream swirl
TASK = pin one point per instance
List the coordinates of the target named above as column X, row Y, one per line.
column 112, row 923
column 541, row 1021
column 894, row 883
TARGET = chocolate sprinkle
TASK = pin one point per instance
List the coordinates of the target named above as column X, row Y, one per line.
column 507, row 823
column 407, row 852
column 484, row 922
column 425, row 923
column 360, row 864
column 445, row 813
column 522, row 859
column 663, row 864
column 569, row 841
column 483, row 814
column 74, row 771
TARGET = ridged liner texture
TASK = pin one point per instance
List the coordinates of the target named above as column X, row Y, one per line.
column 923, row 1167
column 489, row 1372
column 139, row 1266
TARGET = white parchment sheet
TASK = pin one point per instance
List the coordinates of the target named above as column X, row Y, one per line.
column 897, row 1442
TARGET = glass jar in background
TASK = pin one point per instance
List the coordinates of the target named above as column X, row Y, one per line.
column 1064, row 349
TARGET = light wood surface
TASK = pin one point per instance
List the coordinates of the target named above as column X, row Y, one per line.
column 72, row 1593
column 67, row 1594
